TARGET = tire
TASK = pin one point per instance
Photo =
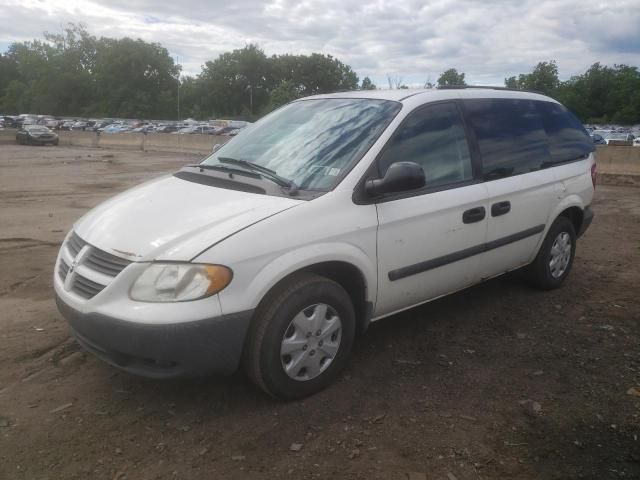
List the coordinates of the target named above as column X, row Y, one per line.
column 302, row 297
column 541, row 273
column 56, row 142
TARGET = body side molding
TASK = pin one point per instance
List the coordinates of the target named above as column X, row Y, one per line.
column 420, row 267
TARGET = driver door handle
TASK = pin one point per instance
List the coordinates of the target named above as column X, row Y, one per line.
column 474, row 215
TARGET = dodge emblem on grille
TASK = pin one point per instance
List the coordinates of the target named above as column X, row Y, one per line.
column 68, row 280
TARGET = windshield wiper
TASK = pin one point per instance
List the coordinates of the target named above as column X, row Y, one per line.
column 264, row 171
column 224, row 168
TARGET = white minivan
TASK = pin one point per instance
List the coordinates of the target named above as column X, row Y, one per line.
column 334, row 211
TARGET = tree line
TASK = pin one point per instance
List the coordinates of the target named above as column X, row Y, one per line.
column 600, row 95
column 74, row 73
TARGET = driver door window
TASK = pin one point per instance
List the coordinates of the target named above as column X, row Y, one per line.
column 434, row 138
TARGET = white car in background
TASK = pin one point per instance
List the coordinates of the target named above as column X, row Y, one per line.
column 332, row 212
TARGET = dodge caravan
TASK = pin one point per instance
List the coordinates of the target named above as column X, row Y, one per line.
column 332, row 212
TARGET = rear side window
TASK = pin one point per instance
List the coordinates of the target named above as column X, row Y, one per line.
column 568, row 140
column 510, row 134
column 434, row 138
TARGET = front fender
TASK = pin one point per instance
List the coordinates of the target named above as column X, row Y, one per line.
column 279, row 267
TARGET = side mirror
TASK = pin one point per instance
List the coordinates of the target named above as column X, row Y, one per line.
column 400, row 177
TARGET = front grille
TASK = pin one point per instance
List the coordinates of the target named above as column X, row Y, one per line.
column 95, row 260
column 86, row 288
column 106, row 263
column 75, row 244
column 63, row 269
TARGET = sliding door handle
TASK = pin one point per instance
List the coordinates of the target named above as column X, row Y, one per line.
column 474, row 215
column 500, row 208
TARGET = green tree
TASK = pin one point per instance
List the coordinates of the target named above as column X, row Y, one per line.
column 543, row 78
column 604, row 94
column 314, row 74
column 134, row 78
column 8, row 75
column 236, row 82
column 191, row 94
column 451, row 78
column 283, row 93
column 367, row 84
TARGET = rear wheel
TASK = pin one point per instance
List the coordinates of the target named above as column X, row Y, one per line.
column 555, row 258
column 301, row 337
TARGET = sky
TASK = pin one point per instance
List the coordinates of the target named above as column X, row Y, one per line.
column 412, row 41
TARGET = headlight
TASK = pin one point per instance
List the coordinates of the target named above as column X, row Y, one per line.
column 179, row 282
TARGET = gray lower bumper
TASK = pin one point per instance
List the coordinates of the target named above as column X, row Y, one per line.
column 202, row 347
column 587, row 218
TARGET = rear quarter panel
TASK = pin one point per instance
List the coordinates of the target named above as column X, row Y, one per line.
column 575, row 190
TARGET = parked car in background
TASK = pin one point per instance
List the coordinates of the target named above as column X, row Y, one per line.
column 238, row 124
column 187, row 130
column 203, row 130
column 52, row 123
column 222, row 130
column 232, row 133
column 143, row 129
column 67, row 125
column 36, row 135
column 167, row 129
column 79, row 125
column 10, row 122
column 598, row 139
column 619, row 138
column 101, row 124
column 116, row 128
column 28, row 120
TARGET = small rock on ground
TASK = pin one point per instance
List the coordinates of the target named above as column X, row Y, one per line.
column 635, row 391
column 531, row 408
column 416, row 476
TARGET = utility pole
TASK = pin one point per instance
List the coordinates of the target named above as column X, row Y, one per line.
column 177, row 63
column 250, row 88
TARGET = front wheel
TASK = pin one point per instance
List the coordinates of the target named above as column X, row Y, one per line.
column 555, row 258
column 301, row 337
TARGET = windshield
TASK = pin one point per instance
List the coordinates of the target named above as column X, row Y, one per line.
column 311, row 142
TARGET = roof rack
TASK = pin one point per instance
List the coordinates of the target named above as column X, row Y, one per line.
column 486, row 87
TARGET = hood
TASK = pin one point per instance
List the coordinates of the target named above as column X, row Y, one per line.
column 173, row 219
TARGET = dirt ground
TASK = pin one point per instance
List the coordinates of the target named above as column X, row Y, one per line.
column 432, row 393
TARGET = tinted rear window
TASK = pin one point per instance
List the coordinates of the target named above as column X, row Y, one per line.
column 568, row 140
column 510, row 134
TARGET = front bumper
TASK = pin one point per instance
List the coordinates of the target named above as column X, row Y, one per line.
column 194, row 348
column 42, row 141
